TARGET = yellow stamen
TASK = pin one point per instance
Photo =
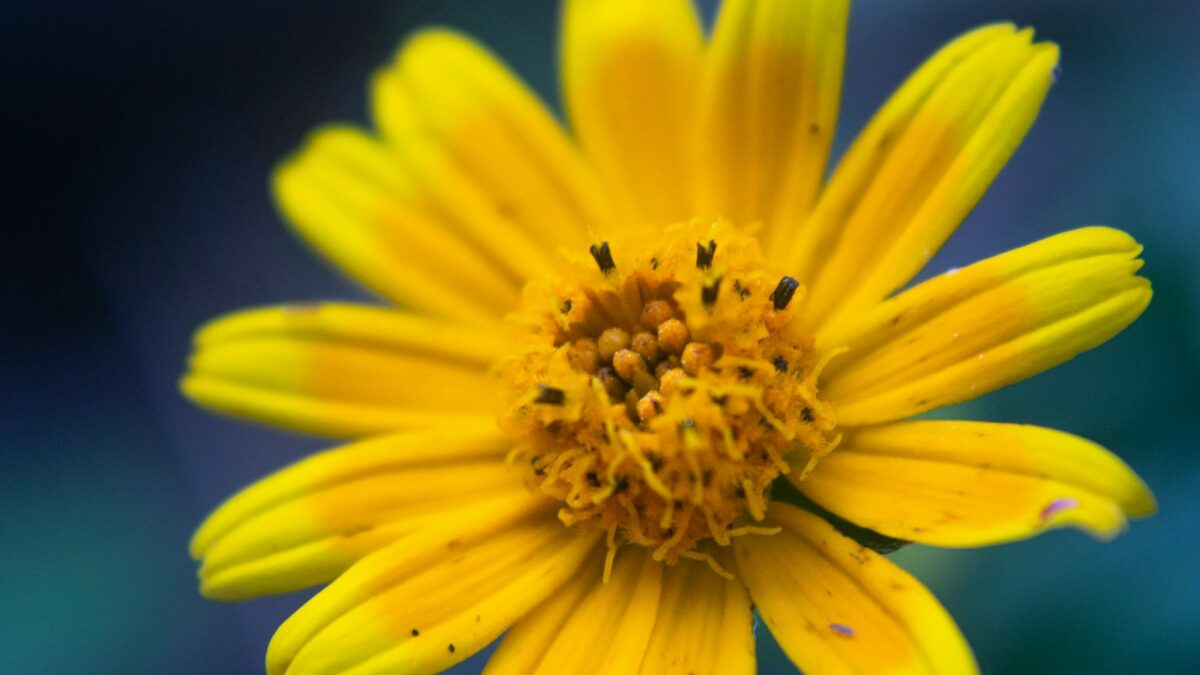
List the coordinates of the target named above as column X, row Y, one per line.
column 712, row 563
column 660, row 386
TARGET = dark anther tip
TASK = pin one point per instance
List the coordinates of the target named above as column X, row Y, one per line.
column 782, row 295
column 780, row 364
column 621, row 485
column 704, row 254
column 550, row 395
column 603, row 257
column 708, row 294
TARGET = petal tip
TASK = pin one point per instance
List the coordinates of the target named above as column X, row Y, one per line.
column 1140, row 502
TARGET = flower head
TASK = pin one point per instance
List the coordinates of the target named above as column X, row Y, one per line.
column 639, row 371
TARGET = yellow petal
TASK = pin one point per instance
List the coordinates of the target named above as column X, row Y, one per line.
column 306, row 524
column 487, row 151
column 349, row 197
column 348, row 323
column 610, row 627
column 411, row 449
column 429, row 600
column 971, row 331
column 919, row 167
column 631, row 72
column 524, row 647
column 702, row 625
column 341, row 370
column 769, row 105
column 313, row 539
column 975, row 483
column 838, row 607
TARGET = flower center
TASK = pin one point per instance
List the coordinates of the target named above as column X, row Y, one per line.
column 659, row 386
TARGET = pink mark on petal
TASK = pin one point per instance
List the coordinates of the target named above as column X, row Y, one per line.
column 842, row 629
column 1058, row 506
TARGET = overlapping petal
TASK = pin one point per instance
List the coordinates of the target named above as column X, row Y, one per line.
column 342, row 370
column 605, row 627
column 701, row 623
column 971, row 331
column 430, row 599
column 631, row 78
column 307, row 523
column 838, row 607
column 489, row 156
column 769, row 104
column 523, row 648
column 975, row 483
column 351, row 198
column 704, row 624
column 918, row 168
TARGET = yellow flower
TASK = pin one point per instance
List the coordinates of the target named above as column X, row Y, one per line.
column 619, row 354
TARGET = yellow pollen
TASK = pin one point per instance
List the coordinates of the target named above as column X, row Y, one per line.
column 660, row 384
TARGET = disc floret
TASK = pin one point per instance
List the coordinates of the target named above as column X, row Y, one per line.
column 660, row 385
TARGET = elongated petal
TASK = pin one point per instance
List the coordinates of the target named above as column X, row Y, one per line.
column 313, row 539
column 341, row 370
column 348, row 323
column 307, row 523
column 411, row 449
column 607, row 629
column 349, row 197
column 838, row 607
column 702, row 624
column 489, row 154
column 631, row 72
column 971, row 331
column 523, row 648
column 429, row 600
column 975, row 483
column 919, row 167
column 769, row 105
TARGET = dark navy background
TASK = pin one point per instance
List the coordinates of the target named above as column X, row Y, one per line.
column 139, row 137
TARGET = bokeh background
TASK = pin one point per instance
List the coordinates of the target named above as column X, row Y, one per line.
column 140, row 135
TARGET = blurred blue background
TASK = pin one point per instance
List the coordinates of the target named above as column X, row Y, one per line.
column 141, row 135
